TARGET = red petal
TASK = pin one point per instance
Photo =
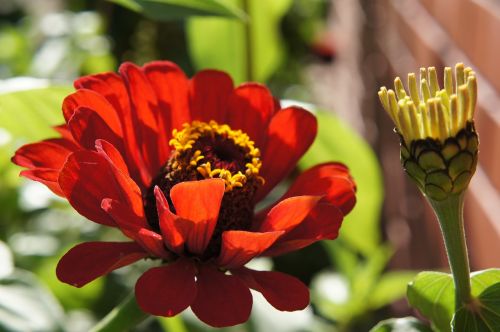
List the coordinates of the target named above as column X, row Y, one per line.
column 87, row 126
column 331, row 180
column 94, row 101
column 198, row 202
column 251, row 106
column 90, row 260
column 87, row 178
column 239, row 247
column 172, row 88
column 288, row 213
column 222, row 300
column 322, row 223
column 66, row 134
column 291, row 132
column 112, row 88
column 143, row 105
column 173, row 235
column 112, row 155
column 48, row 177
column 210, row 91
column 167, row 290
column 50, row 153
column 282, row 291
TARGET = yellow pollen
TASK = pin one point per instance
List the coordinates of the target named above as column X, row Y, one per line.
column 432, row 112
column 183, row 141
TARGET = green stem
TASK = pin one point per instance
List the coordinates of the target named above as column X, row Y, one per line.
column 248, row 41
column 123, row 317
column 450, row 215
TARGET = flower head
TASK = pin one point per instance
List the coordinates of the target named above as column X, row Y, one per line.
column 439, row 144
column 178, row 165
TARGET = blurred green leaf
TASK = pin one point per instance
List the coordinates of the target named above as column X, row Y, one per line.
column 167, row 10
column 432, row 293
column 405, row 324
column 390, row 287
column 221, row 44
column 338, row 142
column 29, row 114
column 25, row 305
column 483, row 314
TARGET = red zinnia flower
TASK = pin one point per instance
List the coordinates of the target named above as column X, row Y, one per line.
column 178, row 166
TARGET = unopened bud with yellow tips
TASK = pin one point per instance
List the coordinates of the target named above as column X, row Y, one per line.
column 439, row 144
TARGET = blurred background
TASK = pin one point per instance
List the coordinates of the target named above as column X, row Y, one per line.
column 331, row 55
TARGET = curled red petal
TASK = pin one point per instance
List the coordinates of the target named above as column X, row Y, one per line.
column 222, row 300
column 239, row 247
column 87, row 178
column 49, row 154
column 209, row 92
column 87, row 261
column 167, row 290
column 250, row 108
column 282, row 291
column 198, row 203
column 332, row 180
column 174, row 235
column 290, row 133
column 48, row 177
column 288, row 213
column 86, row 126
column 322, row 223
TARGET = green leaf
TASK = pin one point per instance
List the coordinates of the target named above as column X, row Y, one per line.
column 432, row 293
column 29, row 114
column 25, row 305
column 168, row 10
column 405, row 324
column 390, row 287
column 220, row 44
column 338, row 142
column 483, row 314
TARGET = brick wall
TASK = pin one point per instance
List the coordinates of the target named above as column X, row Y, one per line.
column 415, row 33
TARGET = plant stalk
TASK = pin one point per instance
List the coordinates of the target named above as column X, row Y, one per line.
column 450, row 215
column 122, row 318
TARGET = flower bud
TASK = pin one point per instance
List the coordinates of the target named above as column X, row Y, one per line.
column 439, row 144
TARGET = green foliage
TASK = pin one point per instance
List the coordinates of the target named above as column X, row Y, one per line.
column 432, row 293
column 25, row 305
column 405, row 324
column 166, row 10
column 234, row 44
column 483, row 314
column 336, row 141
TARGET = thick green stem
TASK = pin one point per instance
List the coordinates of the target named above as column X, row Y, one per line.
column 122, row 318
column 450, row 215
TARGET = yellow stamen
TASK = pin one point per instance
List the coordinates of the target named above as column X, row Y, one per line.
column 434, row 112
column 183, row 141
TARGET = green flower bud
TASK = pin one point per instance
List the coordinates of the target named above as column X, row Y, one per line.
column 439, row 144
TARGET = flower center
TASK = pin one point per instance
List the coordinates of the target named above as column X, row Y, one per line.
column 209, row 150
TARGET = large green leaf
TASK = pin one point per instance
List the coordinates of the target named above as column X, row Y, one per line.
column 484, row 312
column 29, row 114
column 338, row 142
column 25, row 305
column 405, row 324
column 167, row 10
column 432, row 293
column 222, row 44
